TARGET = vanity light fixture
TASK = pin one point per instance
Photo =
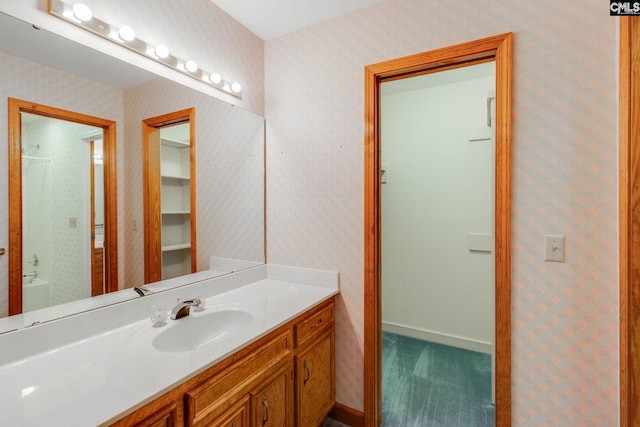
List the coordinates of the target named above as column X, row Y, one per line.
column 236, row 87
column 161, row 51
column 82, row 12
column 81, row 15
column 126, row 33
column 215, row 78
column 191, row 66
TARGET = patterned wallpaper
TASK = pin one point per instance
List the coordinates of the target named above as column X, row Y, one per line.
column 565, row 326
column 565, row 316
column 229, row 174
column 25, row 80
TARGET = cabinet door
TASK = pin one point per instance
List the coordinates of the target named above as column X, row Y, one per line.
column 315, row 382
column 271, row 402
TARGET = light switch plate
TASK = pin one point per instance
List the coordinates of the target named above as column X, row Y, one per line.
column 554, row 247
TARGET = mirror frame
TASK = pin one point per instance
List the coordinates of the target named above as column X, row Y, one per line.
column 17, row 106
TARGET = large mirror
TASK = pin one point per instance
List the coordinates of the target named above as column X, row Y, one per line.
column 41, row 67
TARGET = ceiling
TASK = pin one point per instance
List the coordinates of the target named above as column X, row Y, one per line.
column 269, row 19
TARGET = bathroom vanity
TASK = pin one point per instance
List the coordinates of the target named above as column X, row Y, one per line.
column 286, row 378
column 261, row 353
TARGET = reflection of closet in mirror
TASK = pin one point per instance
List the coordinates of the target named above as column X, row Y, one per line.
column 169, row 196
column 52, row 218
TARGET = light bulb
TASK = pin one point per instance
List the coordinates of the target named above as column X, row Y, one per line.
column 82, row 12
column 215, row 78
column 126, row 33
column 191, row 66
column 236, row 87
column 161, row 51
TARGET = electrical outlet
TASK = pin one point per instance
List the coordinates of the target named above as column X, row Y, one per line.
column 554, row 247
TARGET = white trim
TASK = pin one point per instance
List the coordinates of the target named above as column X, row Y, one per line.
column 438, row 337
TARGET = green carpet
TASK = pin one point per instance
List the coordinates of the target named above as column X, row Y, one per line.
column 426, row 384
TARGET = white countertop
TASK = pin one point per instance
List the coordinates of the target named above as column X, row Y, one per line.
column 24, row 320
column 99, row 378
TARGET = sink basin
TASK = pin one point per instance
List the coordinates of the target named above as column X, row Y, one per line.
column 199, row 330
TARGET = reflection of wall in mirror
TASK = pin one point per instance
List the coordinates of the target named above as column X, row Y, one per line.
column 25, row 80
column 229, row 173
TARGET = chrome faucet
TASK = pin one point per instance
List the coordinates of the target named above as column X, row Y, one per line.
column 32, row 276
column 182, row 308
column 142, row 290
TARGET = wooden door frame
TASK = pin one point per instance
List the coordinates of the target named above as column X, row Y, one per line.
column 629, row 195
column 16, row 107
column 500, row 49
column 151, row 189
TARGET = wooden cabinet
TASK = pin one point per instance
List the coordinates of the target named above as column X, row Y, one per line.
column 284, row 379
column 97, row 272
column 315, row 366
column 236, row 416
column 315, row 382
column 272, row 401
column 165, row 417
column 208, row 400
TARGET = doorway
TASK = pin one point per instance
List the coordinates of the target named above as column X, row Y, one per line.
column 49, row 156
column 437, row 150
column 498, row 49
column 169, row 195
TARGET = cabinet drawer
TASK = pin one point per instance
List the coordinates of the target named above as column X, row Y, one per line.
column 207, row 399
column 314, row 325
column 165, row 417
column 236, row 416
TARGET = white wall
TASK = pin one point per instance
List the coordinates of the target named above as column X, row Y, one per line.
column 438, row 190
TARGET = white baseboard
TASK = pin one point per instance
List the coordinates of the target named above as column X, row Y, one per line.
column 437, row 337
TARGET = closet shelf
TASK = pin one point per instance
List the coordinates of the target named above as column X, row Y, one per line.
column 176, row 247
column 174, row 143
column 176, row 212
column 176, row 178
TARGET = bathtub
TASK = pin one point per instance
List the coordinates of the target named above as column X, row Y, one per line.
column 35, row 294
